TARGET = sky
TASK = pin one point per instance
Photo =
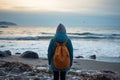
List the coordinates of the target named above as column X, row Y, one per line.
column 69, row 12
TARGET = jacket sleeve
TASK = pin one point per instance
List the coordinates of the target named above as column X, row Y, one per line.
column 70, row 48
column 50, row 52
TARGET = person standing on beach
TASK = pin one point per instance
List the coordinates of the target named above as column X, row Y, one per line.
column 59, row 37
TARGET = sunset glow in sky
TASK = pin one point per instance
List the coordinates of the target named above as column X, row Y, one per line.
column 38, row 12
column 81, row 6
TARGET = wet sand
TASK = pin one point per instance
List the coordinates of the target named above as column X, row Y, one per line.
column 79, row 64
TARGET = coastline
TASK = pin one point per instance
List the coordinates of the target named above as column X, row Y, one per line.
column 96, row 65
column 80, row 64
column 16, row 68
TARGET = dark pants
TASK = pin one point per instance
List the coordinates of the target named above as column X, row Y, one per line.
column 58, row 74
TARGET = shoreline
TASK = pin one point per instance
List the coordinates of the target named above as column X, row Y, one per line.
column 97, row 65
column 79, row 64
column 16, row 68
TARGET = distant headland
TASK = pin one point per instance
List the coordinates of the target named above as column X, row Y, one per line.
column 5, row 24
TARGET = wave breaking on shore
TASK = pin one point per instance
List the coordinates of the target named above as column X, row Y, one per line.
column 85, row 35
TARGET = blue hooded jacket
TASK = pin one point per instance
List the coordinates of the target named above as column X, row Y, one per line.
column 60, row 36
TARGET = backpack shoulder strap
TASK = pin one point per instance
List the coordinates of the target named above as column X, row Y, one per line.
column 57, row 43
column 65, row 41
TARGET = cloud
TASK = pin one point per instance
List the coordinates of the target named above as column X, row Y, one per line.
column 77, row 6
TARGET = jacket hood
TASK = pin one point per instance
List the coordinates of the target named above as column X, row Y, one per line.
column 61, row 29
column 60, row 35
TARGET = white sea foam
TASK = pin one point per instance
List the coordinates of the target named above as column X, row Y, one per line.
column 85, row 42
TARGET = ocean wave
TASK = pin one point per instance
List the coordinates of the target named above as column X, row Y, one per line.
column 26, row 38
column 88, row 35
column 85, row 35
column 95, row 34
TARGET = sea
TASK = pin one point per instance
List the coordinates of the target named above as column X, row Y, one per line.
column 102, row 41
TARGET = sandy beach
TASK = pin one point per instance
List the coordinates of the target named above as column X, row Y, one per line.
column 81, row 67
column 77, row 63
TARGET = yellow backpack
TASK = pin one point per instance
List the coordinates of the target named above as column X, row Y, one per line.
column 61, row 58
